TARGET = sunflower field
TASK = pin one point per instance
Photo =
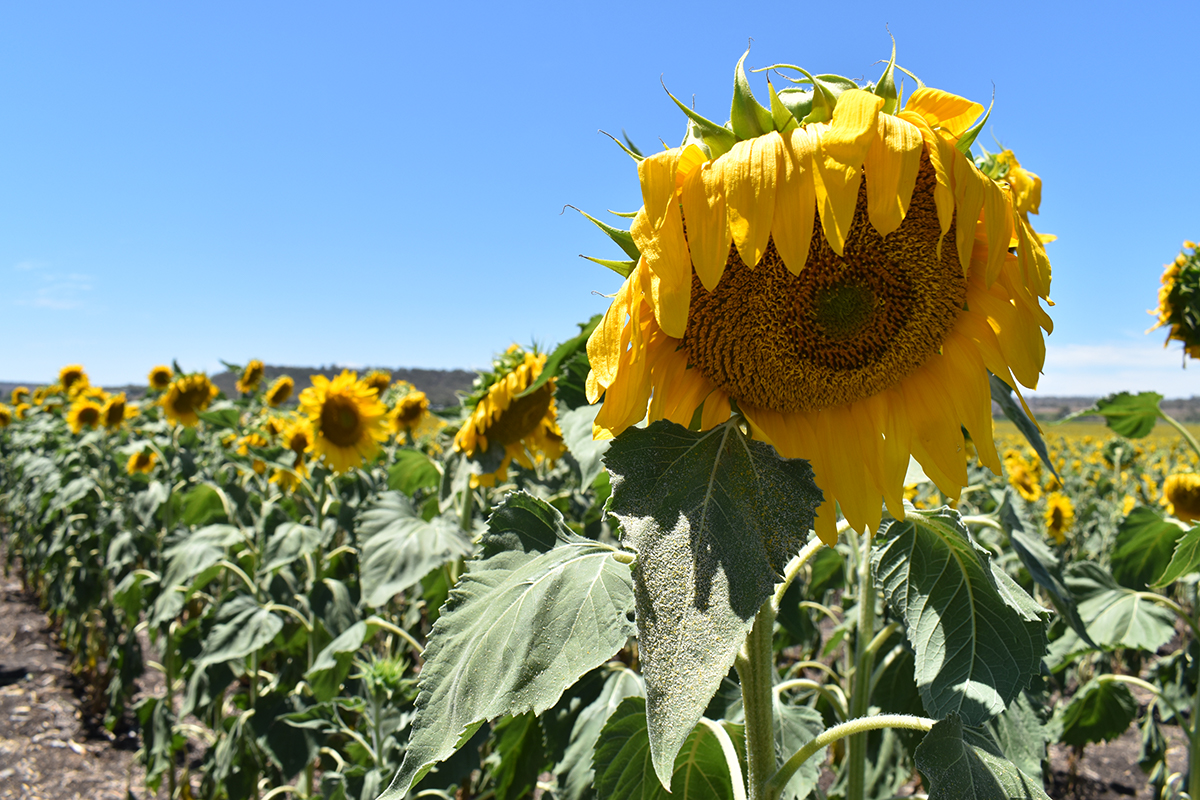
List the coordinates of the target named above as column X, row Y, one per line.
column 752, row 534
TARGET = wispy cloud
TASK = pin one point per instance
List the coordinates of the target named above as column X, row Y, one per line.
column 57, row 292
column 26, row 266
column 1099, row 369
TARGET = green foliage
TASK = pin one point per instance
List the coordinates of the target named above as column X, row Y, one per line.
column 1115, row 615
column 1184, row 560
column 1099, row 712
column 966, row 764
column 1002, row 395
column 714, row 518
column 575, row 772
column 1145, row 545
column 1130, row 415
column 412, row 471
column 400, row 547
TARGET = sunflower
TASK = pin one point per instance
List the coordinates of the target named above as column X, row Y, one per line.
column 1182, row 491
column 280, row 391
column 6, row 416
column 526, row 428
column 844, row 276
column 160, row 378
column 273, row 426
column 186, row 396
column 72, row 378
column 1128, row 504
column 84, row 413
column 20, row 395
column 41, row 393
column 21, row 410
column 1179, row 300
column 347, row 419
column 410, row 415
column 297, row 437
column 142, row 461
column 253, row 440
column 114, row 412
column 1060, row 514
column 252, row 375
column 379, row 380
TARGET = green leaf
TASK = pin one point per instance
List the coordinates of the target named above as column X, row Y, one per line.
column 288, row 542
column 400, row 547
column 1184, row 561
column 229, row 417
column 1130, row 415
column 194, row 555
column 576, row 427
column 202, row 506
column 965, row 764
column 782, row 116
column 963, row 145
column 748, row 117
column 1021, row 736
column 522, row 756
column 1002, row 395
column 1144, row 547
column 1116, row 616
column 411, row 471
column 798, row 102
column 1099, row 712
column 714, row 518
column 623, row 238
column 623, row 763
column 333, row 663
column 243, row 627
column 575, row 772
column 978, row 636
column 563, row 353
column 537, row 610
column 796, row 726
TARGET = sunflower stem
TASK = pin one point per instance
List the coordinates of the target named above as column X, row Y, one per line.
column 1184, row 432
column 756, row 671
column 467, row 509
column 1194, row 744
column 860, row 686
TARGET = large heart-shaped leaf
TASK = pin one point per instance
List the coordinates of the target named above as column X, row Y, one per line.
column 400, row 547
column 965, row 764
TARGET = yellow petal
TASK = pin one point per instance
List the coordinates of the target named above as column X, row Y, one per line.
column 892, row 163
column 604, row 345
column 689, row 161
column 750, row 172
column 969, row 188
column 997, row 212
column 795, row 200
column 973, row 396
column 1032, row 256
column 707, row 226
column 836, row 186
column 658, row 232
column 939, row 157
column 626, row 399
column 942, row 109
column 853, row 127
column 716, row 409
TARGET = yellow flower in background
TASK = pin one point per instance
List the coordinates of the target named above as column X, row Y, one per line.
column 1026, row 187
column 187, row 396
column 379, row 380
column 1128, row 504
column 84, row 413
column 347, row 420
column 72, row 378
column 253, row 440
column 252, row 375
column 280, row 391
column 160, row 377
column 20, row 395
column 142, row 461
column 41, row 393
column 1024, row 481
column 1178, row 300
column 411, row 416
column 21, row 410
column 1060, row 515
column 848, row 283
column 273, row 426
column 6, row 416
column 297, row 437
column 114, row 411
column 1182, row 491
column 524, row 428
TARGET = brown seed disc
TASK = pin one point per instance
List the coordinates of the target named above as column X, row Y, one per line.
column 521, row 417
column 340, row 421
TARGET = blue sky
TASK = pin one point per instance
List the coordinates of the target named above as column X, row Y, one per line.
column 382, row 183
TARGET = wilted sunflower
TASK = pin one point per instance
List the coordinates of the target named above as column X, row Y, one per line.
column 20, row 395
column 1179, row 300
column 114, row 412
column 1182, row 491
column 526, row 428
column 379, row 380
column 187, row 396
column 297, row 437
column 6, row 416
column 72, row 378
column 84, row 413
column 280, row 391
column 142, row 461
column 252, row 375
column 160, row 377
column 1060, row 515
column 347, row 419
column 841, row 271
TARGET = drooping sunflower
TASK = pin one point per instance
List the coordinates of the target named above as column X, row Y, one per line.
column 1060, row 515
column 379, row 380
column 21, row 410
column 41, row 393
column 114, row 412
column 252, row 375
column 1179, row 300
column 297, row 437
column 187, row 396
column 160, row 378
column 1182, row 492
column 20, row 395
column 841, row 272
column 72, row 378
column 6, row 416
column 347, row 420
column 280, row 391
column 525, row 428
column 84, row 413
column 142, row 461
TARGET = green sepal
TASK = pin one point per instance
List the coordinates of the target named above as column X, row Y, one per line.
column 562, row 353
column 623, row 238
column 630, row 146
column 718, row 138
column 694, row 136
column 626, row 214
column 622, row 268
column 635, row 154
column 827, row 88
column 963, row 145
column 797, row 101
column 746, row 114
column 886, row 87
column 920, row 83
column 784, row 119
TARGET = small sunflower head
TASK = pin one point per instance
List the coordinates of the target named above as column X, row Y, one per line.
column 114, row 411
column 160, row 378
column 1182, row 491
column 1179, row 300
column 85, row 413
column 252, row 375
column 6, row 415
column 1060, row 515
column 347, row 419
column 280, row 391
column 273, row 426
column 379, row 380
column 20, row 395
column 21, row 410
column 72, row 378
column 142, row 461
column 187, row 396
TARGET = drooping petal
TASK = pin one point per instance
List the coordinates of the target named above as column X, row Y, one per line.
column 658, row 232
column 973, row 398
column 997, row 212
column 716, row 409
column 969, row 189
column 707, row 224
column 892, row 163
column 939, row 157
column 836, row 187
column 942, row 109
column 604, row 345
column 795, row 200
column 750, row 170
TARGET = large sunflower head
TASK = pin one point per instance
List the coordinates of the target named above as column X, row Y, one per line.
column 504, row 424
column 1060, row 515
column 1179, row 300
column 251, row 377
column 187, row 396
column 72, row 378
column 160, row 378
column 1182, row 492
column 347, row 419
column 84, row 413
column 839, row 270
column 20, row 395
column 379, row 380
column 280, row 391
column 114, row 412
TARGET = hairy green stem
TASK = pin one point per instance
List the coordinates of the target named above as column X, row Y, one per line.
column 756, row 670
column 1184, row 432
column 860, row 685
